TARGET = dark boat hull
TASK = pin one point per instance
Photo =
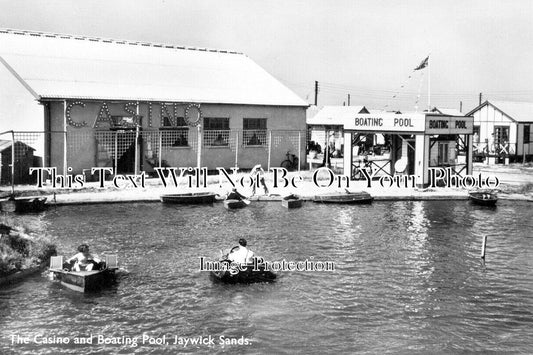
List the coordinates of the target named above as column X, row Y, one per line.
column 234, row 204
column 483, row 199
column 189, row 198
column 84, row 281
column 24, row 205
column 349, row 199
column 292, row 203
column 247, row 276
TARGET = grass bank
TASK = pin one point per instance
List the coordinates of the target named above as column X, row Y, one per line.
column 21, row 248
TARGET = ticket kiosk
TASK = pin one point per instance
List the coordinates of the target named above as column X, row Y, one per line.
column 393, row 143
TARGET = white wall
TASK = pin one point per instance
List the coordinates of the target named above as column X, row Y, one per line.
column 18, row 108
column 19, row 111
column 487, row 118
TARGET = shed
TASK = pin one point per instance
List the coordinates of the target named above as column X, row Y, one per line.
column 24, row 160
column 503, row 130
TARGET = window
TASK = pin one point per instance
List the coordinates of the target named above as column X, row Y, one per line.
column 254, row 131
column 174, row 135
column 180, row 122
column 216, row 123
column 501, row 135
column 216, row 131
column 442, row 157
column 527, row 133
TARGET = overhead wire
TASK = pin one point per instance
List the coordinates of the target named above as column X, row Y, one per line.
column 364, row 93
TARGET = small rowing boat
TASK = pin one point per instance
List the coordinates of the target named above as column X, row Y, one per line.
column 483, row 198
column 234, row 204
column 84, row 281
column 235, row 200
column 345, row 198
column 246, row 274
column 291, row 201
column 189, row 198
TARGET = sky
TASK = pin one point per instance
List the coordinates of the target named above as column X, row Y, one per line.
column 365, row 49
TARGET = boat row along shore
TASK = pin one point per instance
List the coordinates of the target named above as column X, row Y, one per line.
column 517, row 186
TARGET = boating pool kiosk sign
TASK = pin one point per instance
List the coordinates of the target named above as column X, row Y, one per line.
column 412, row 123
column 449, row 125
column 387, row 122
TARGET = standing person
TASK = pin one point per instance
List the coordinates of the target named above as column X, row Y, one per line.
column 257, row 171
column 491, row 143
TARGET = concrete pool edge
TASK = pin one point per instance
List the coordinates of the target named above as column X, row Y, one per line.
column 81, row 198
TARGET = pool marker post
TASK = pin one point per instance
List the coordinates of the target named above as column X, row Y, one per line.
column 483, row 247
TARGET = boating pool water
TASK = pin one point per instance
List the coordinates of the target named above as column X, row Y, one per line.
column 408, row 279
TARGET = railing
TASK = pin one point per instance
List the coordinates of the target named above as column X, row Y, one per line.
column 374, row 167
column 216, row 138
column 175, row 138
column 254, row 138
column 494, row 150
column 129, row 150
column 20, row 151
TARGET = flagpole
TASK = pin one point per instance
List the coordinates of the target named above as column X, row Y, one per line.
column 429, row 85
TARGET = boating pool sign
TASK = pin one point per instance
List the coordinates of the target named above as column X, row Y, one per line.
column 387, row 122
column 413, row 123
column 449, row 125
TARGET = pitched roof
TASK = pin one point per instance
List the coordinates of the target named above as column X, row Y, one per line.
column 54, row 66
column 5, row 144
column 311, row 111
column 447, row 111
column 335, row 115
column 517, row 111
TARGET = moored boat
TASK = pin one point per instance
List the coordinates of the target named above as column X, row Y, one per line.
column 345, row 198
column 246, row 274
column 234, row 204
column 84, row 281
column 291, row 201
column 24, row 205
column 189, row 198
column 484, row 198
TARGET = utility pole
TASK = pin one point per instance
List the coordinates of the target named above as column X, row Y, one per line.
column 348, row 99
column 316, row 93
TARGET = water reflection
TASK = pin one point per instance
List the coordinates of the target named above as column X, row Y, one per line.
column 407, row 278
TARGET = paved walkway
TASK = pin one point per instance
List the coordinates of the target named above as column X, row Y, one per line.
column 517, row 184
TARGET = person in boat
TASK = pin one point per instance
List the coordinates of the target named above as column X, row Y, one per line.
column 258, row 173
column 240, row 253
column 291, row 197
column 235, row 195
column 84, row 260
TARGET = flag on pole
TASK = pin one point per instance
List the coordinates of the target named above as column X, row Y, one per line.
column 423, row 64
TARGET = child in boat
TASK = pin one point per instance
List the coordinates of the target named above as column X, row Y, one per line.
column 84, row 260
column 235, row 195
column 240, row 254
